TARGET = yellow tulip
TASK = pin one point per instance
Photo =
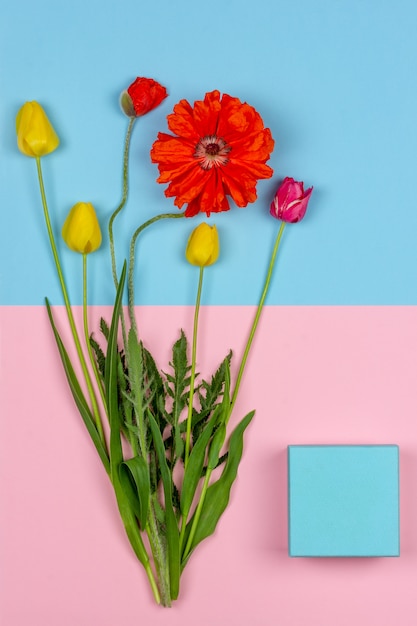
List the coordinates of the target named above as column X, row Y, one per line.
column 81, row 230
column 35, row 134
column 203, row 246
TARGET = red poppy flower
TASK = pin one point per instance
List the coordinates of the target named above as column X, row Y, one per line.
column 219, row 149
column 143, row 95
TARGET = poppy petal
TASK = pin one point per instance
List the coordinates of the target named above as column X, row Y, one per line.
column 219, row 148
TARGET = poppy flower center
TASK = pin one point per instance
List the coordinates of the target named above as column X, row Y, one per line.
column 211, row 151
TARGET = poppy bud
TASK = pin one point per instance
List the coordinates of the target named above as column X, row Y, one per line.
column 203, row 246
column 143, row 95
column 35, row 134
column 81, row 230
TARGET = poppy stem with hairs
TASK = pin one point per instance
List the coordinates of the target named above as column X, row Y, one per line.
column 131, row 271
column 125, row 189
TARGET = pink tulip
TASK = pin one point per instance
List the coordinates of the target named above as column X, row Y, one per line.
column 290, row 201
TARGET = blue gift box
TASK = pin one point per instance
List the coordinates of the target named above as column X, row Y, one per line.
column 343, row 501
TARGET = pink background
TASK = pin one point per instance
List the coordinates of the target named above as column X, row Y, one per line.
column 315, row 375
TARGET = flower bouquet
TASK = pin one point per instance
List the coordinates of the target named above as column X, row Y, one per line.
column 161, row 435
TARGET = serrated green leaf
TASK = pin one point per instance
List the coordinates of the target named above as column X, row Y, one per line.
column 181, row 369
column 104, row 328
column 157, row 397
column 170, row 393
column 125, row 406
column 179, row 445
column 216, row 387
column 100, row 358
column 219, row 387
column 136, row 384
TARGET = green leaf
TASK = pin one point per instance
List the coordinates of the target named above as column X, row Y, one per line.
column 158, row 510
column 177, row 388
column 116, row 453
column 221, row 460
column 157, row 399
column 137, row 387
column 216, row 446
column 125, row 406
column 194, row 468
column 218, row 387
column 215, row 388
column 104, row 328
column 134, row 478
column 176, row 499
column 78, row 395
column 99, row 354
column 135, row 361
column 111, row 372
column 180, row 381
column 172, row 535
column 218, row 494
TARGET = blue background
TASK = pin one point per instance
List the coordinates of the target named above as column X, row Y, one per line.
column 335, row 80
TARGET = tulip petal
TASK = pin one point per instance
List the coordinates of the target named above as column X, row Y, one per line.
column 36, row 136
column 203, row 246
column 290, row 201
column 81, row 230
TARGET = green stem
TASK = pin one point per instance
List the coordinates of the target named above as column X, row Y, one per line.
column 191, row 392
column 66, row 298
column 125, row 190
column 199, row 508
column 193, row 364
column 256, row 320
column 89, row 350
column 153, row 583
column 130, row 278
column 159, row 556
